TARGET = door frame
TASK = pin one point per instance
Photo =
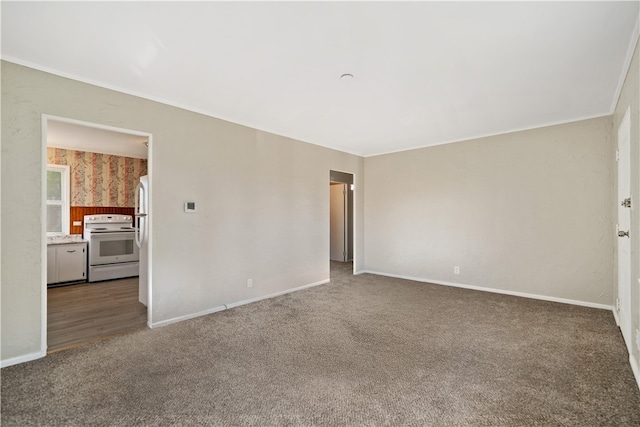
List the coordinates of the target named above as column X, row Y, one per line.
column 345, row 220
column 352, row 231
column 45, row 118
column 623, row 296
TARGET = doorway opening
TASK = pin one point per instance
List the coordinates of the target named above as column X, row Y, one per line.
column 83, row 302
column 341, row 219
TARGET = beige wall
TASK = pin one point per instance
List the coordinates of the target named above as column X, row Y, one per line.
column 629, row 97
column 526, row 212
column 263, row 203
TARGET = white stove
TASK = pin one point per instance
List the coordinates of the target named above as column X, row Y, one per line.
column 108, row 223
column 113, row 252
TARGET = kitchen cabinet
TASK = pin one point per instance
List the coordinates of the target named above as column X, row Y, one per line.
column 51, row 264
column 67, row 263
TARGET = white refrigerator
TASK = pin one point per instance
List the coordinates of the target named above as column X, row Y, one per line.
column 142, row 236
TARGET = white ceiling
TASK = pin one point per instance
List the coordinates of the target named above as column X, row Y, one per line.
column 74, row 136
column 426, row 73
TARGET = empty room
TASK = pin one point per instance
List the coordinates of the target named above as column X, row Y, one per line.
column 320, row 213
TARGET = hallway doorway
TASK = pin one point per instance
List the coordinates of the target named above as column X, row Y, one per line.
column 341, row 221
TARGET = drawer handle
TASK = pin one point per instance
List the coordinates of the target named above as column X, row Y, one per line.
column 71, row 251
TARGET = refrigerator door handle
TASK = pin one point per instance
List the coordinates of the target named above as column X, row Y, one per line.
column 138, row 195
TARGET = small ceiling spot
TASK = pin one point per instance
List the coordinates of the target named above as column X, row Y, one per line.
column 346, row 76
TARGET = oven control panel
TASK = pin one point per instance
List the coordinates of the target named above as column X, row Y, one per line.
column 107, row 219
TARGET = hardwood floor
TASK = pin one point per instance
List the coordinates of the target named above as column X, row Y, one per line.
column 78, row 314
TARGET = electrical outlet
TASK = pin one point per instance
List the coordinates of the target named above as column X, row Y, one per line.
column 77, row 223
column 249, row 283
column 456, row 270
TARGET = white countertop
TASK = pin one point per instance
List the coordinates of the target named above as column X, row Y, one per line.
column 65, row 240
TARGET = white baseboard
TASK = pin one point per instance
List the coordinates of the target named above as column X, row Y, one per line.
column 186, row 317
column 23, row 359
column 498, row 291
column 277, row 294
column 635, row 368
column 232, row 305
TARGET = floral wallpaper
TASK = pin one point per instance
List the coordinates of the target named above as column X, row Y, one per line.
column 99, row 179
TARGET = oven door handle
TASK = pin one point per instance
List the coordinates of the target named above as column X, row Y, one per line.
column 98, row 235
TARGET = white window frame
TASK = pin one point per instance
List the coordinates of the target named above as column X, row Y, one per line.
column 65, row 196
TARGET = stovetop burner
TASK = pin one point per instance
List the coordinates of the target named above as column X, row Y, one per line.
column 108, row 223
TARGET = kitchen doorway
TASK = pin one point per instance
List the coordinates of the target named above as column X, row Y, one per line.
column 104, row 166
column 341, row 221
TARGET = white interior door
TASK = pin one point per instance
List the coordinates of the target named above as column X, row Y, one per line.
column 338, row 222
column 624, row 223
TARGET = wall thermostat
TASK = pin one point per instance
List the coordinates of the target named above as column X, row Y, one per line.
column 189, row 207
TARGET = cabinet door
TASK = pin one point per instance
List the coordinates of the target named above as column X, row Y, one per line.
column 52, row 273
column 72, row 262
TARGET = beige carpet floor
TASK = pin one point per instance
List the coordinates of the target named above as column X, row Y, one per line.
column 361, row 350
